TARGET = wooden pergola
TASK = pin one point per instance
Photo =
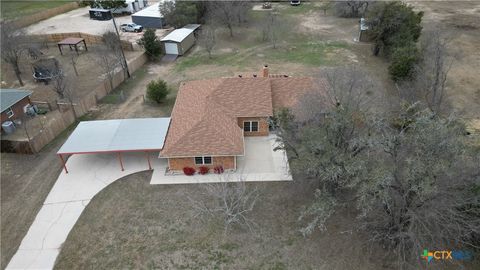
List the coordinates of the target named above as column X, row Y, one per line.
column 72, row 43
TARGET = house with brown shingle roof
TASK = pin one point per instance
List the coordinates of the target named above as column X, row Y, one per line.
column 210, row 118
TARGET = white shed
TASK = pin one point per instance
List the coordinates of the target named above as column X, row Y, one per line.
column 179, row 41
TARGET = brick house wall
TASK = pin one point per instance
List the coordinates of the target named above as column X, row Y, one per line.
column 177, row 164
column 262, row 125
column 17, row 110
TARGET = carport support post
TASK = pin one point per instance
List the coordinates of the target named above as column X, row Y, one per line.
column 120, row 159
column 63, row 163
column 148, row 159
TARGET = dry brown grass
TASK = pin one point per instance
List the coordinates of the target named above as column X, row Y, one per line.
column 132, row 224
column 90, row 73
column 26, row 181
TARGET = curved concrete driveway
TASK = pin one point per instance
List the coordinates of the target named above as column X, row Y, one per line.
column 88, row 175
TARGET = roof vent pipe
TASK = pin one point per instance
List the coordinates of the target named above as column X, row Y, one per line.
column 265, row 72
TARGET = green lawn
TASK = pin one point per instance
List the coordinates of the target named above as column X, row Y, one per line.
column 312, row 53
column 247, row 46
column 15, row 9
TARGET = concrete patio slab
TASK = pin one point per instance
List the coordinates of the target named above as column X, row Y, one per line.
column 260, row 163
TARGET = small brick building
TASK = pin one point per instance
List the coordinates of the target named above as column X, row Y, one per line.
column 14, row 103
column 211, row 117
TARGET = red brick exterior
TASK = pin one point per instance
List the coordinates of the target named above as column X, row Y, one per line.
column 262, row 125
column 177, row 164
column 17, row 110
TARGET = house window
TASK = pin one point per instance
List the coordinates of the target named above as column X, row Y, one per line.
column 250, row 126
column 203, row 160
column 9, row 112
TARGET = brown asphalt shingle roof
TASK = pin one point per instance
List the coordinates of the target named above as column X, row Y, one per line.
column 204, row 117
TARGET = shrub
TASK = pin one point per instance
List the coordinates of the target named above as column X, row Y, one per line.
column 203, row 170
column 394, row 24
column 151, row 44
column 157, row 90
column 403, row 62
column 188, row 171
column 218, row 169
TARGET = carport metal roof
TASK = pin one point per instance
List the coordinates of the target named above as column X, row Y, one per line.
column 120, row 135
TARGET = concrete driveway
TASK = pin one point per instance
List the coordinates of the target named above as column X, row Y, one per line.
column 88, row 175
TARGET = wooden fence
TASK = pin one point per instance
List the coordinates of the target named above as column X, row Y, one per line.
column 62, row 115
column 89, row 39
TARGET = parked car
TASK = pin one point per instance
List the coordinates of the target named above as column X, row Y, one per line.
column 131, row 27
column 295, row 2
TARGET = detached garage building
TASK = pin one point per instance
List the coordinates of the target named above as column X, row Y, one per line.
column 179, row 41
column 149, row 17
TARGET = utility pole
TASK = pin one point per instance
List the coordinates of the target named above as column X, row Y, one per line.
column 121, row 48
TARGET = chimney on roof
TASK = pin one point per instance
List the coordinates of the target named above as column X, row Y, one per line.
column 254, row 75
column 265, row 71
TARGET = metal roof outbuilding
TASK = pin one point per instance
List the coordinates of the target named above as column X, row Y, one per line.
column 9, row 97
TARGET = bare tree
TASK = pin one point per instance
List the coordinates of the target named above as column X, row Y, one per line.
column 208, row 39
column 113, row 42
column 106, row 59
column 228, row 13
column 326, row 129
column 73, row 60
column 351, row 8
column 326, row 5
column 272, row 28
column 12, row 46
column 429, row 83
column 432, row 73
column 326, row 137
column 61, row 85
column 419, row 190
column 350, row 88
column 231, row 201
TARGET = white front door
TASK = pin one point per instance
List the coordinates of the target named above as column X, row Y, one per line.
column 171, row 48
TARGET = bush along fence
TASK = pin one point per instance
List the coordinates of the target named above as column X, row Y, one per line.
column 64, row 114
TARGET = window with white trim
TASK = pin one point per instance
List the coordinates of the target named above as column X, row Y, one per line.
column 206, row 160
column 250, row 126
column 9, row 112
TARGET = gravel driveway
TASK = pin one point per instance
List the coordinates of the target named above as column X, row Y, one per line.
column 77, row 20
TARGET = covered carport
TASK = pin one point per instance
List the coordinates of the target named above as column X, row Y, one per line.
column 116, row 136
